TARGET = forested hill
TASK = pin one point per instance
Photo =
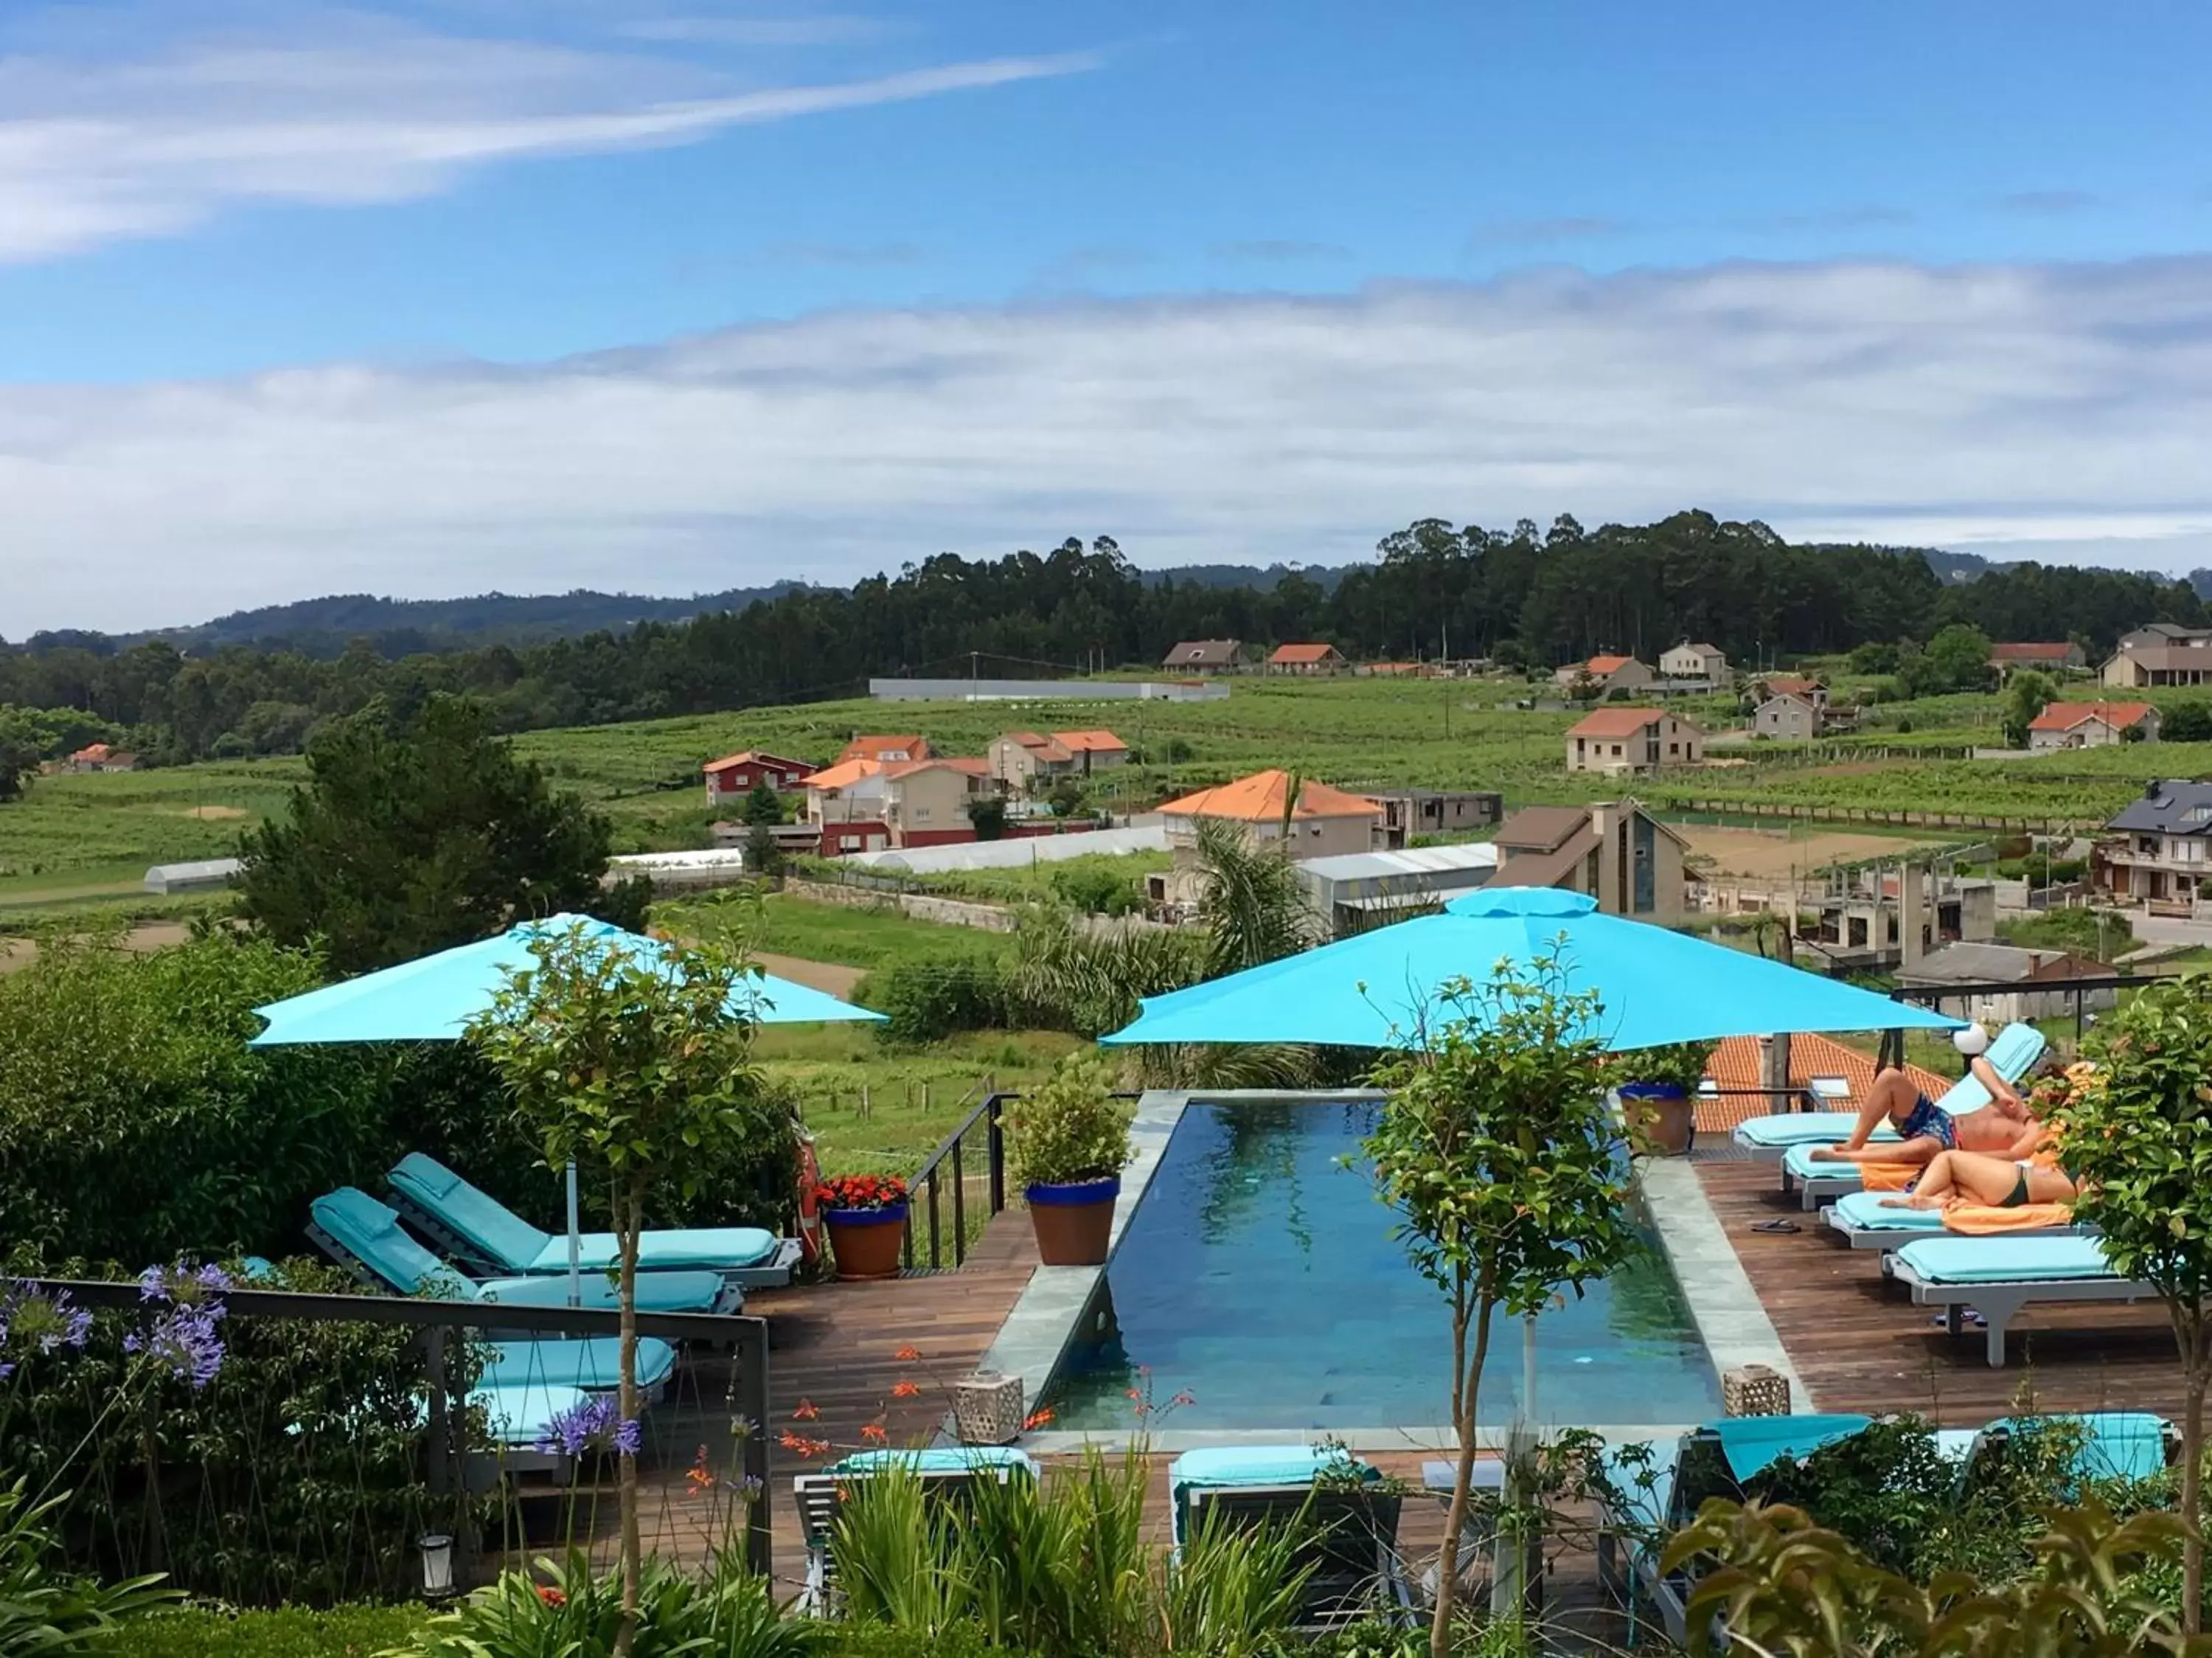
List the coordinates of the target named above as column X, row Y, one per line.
column 1537, row 597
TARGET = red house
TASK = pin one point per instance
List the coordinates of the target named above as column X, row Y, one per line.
column 737, row 774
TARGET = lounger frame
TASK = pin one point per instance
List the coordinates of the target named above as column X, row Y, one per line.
column 1358, row 1574
column 1999, row 1301
column 818, row 1495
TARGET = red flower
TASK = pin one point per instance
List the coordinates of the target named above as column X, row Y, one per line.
column 908, row 1354
column 1039, row 1417
column 804, row 1411
column 904, row 1389
column 551, row 1596
column 875, row 1434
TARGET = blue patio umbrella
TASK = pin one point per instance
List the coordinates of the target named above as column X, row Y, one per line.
column 433, row 998
column 1377, row 990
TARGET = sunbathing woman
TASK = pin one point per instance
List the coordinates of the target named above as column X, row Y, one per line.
column 1925, row 1130
column 1958, row 1178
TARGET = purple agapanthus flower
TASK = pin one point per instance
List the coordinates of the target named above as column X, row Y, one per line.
column 596, row 1424
column 184, row 1337
column 32, row 1319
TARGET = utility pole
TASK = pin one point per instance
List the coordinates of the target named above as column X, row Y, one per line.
column 973, row 674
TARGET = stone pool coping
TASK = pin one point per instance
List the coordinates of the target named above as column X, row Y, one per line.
column 1731, row 1324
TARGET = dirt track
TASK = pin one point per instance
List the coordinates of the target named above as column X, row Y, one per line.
column 1758, row 854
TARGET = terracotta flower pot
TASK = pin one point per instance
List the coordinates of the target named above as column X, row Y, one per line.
column 866, row 1242
column 1662, row 1117
column 1073, row 1220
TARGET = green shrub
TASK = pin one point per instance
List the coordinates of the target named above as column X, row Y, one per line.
column 44, row 1607
column 928, row 1000
column 285, row 1632
column 1070, row 1127
column 575, row 1613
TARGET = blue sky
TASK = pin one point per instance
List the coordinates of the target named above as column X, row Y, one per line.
column 454, row 294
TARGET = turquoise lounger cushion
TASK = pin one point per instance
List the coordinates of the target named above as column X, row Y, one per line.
column 2012, row 1052
column 2017, row 1260
column 1870, row 1211
column 1642, row 1505
column 2115, row 1444
column 1750, row 1442
column 515, row 1246
column 1803, row 1128
column 657, row 1292
column 518, row 1414
column 593, row 1363
column 1258, row 1465
column 937, row 1460
column 1802, row 1164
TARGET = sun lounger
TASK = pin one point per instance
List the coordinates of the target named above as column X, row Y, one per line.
column 1656, row 1489
column 1997, row 1277
column 1866, row 1219
column 1349, row 1532
column 475, row 1228
column 945, row 1471
column 2013, row 1053
column 1773, row 1135
column 365, row 1237
column 2115, row 1444
column 594, row 1364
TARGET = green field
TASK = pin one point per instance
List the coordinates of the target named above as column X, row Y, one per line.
column 76, row 839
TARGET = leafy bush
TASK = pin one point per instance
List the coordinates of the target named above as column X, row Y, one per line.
column 1096, row 888
column 575, row 1612
column 284, row 1632
column 928, row 1000
column 1675, row 1065
column 1071, row 1127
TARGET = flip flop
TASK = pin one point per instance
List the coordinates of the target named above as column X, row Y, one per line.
column 1776, row 1225
column 1968, row 1317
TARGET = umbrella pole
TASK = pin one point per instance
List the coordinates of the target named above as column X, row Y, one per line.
column 575, row 1243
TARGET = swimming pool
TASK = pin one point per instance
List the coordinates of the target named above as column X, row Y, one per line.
column 1259, row 1275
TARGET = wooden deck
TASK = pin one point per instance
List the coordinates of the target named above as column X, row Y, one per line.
column 1859, row 1344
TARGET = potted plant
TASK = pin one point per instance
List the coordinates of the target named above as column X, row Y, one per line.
column 866, row 1216
column 1071, row 1141
column 1659, row 1098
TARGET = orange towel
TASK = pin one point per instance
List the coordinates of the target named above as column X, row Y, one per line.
column 1976, row 1221
column 1889, row 1177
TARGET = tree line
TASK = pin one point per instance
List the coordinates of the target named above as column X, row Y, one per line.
column 1526, row 596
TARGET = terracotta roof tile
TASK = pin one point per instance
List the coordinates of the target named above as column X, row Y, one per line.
column 1095, row 742
column 1734, row 1065
column 1615, row 722
column 1608, row 664
column 1258, row 799
column 2064, row 717
column 1293, row 655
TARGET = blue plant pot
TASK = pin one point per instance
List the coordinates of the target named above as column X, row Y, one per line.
column 1664, row 1113
column 1073, row 1220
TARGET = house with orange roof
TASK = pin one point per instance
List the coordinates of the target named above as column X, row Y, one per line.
column 1024, row 761
column 1632, row 740
column 864, row 805
column 887, row 749
column 1321, row 822
column 1794, row 685
column 99, row 757
column 1307, row 661
column 2091, row 725
column 735, row 775
column 1607, row 673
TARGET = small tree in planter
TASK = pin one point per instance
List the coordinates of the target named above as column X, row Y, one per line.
column 625, row 1061
column 1497, row 1148
column 866, row 1217
column 1659, row 1092
column 1071, row 1142
column 2136, row 1133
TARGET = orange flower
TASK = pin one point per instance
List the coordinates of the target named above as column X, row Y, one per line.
column 805, row 1412
column 1039, row 1417
column 875, row 1434
column 799, row 1445
column 904, row 1389
column 908, row 1354
column 551, row 1596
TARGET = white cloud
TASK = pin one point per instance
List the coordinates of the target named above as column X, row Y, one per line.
column 1989, row 405
column 337, row 107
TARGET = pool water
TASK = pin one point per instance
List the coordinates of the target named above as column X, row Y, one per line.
column 1259, row 1276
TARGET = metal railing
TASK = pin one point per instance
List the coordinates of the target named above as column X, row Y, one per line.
column 441, row 1327
column 2076, row 991
column 956, row 1163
